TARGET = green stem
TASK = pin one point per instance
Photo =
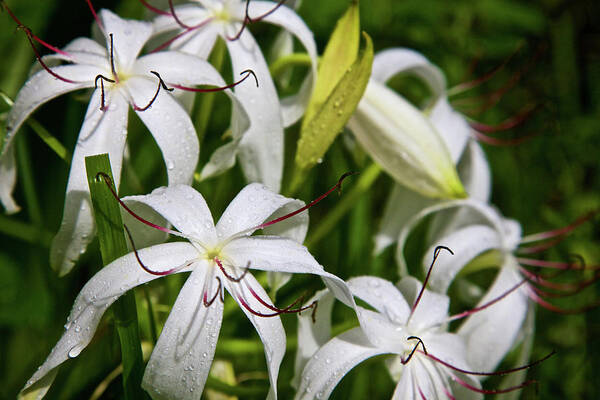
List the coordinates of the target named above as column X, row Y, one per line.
column 349, row 199
column 151, row 319
column 24, row 231
column 28, row 181
column 220, row 386
column 281, row 64
column 113, row 245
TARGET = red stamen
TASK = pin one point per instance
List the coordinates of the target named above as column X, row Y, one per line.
column 154, row 9
column 248, row 20
column 277, row 311
column 502, row 142
column 436, row 253
column 491, row 391
column 575, row 287
column 497, row 373
column 89, row 3
column 174, row 14
column 565, row 230
column 180, row 34
column 108, row 182
column 488, row 304
column 231, row 277
column 448, row 394
column 337, row 186
column 148, row 270
column 421, row 393
column 248, row 72
column 208, row 303
column 553, row 264
column 549, row 306
column 162, row 84
column 541, row 247
column 507, row 124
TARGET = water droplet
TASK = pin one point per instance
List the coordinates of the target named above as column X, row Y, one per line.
column 191, row 389
column 205, row 354
column 320, row 395
column 170, row 164
column 209, row 321
column 77, row 329
column 328, row 360
column 308, row 389
column 75, row 350
column 319, row 161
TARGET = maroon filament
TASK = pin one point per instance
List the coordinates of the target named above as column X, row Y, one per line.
column 276, row 311
column 102, row 78
column 161, row 84
column 247, row 73
column 436, row 253
column 247, row 20
column 231, row 277
column 420, row 342
column 208, row 303
column 153, row 9
column 90, row 5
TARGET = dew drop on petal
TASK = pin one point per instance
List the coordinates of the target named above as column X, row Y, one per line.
column 75, row 350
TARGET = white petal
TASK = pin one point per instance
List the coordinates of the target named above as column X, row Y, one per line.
column 184, row 207
column 129, row 37
column 171, row 127
column 81, row 51
column 432, row 309
column 182, row 357
column 334, row 360
column 269, row 329
column 400, row 206
column 312, row 334
column 252, row 206
column 382, row 295
column 42, row 87
column 388, row 63
column 475, row 173
column 220, row 160
column 261, row 149
column 381, row 332
column 452, row 127
column 485, row 211
column 466, row 243
column 292, row 107
column 8, row 177
column 491, row 333
column 101, row 132
column 402, row 140
column 98, row 294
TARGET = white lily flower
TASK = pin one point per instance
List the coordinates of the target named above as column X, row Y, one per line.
column 453, row 130
column 400, row 137
column 219, row 257
column 428, row 362
column 200, row 23
column 121, row 80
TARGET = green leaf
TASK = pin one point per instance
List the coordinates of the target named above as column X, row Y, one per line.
column 340, row 53
column 318, row 134
column 113, row 245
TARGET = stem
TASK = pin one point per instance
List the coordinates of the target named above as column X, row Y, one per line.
column 366, row 179
column 113, row 245
column 24, row 231
column 281, row 64
column 151, row 319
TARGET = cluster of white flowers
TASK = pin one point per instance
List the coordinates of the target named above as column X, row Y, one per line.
column 431, row 154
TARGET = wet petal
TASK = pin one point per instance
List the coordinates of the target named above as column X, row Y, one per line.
column 382, row 295
column 129, row 37
column 8, row 177
column 334, row 360
column 183, row 207
column 269, row 329
column 491, row 333
column 432, row 309
column 97, row 295
column 170, row 126
column 261, row 149
column 101, row 132
column 452, row 127
column 181, row 359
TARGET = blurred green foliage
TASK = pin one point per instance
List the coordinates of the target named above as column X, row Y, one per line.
column 551, row 46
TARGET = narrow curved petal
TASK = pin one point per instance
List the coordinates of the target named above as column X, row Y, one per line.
column 8, row 177
column 466, row 243
column 183, row 207
column 432, row 309
column 382, row 295
column 269, row 329
column 261, row 148
column 190, row 14
column 292, row 107
column 400, row 206
column 251, row 207
column 491, row 333
column 81, row 51
column 41, row 88
column 181, row 359
column 452, row 127
column 170, row 126
column 390, row 62
column 222, row 159
column 312, row 334
column 334, row 360
column 129, row 37
column 97, row 295
column 101, row 132
column 200, row 42
column 381, row 332
column 474, row 172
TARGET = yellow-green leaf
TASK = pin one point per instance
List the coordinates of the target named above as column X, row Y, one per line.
column 317, row 134
column 340, row 53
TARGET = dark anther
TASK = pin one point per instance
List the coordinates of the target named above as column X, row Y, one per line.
column 344, row 176
column 161, row 84
column 247, row 20
column 420, row 342
column 112, row 59
column 102, row 79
